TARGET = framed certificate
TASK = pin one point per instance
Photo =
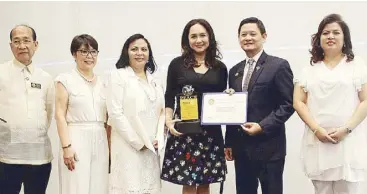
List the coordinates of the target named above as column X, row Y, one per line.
column 224, row 109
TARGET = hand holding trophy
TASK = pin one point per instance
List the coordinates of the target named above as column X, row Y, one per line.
column 189, row 111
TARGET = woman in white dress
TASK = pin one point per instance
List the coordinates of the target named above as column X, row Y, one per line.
column 135, row 105
column 80, row 116
column 330, row 97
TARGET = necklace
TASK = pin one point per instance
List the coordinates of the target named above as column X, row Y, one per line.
column 86, row 79
column 149, row 90
column 201, row 62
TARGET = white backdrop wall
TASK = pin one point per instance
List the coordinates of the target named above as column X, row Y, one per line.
column 289, row 26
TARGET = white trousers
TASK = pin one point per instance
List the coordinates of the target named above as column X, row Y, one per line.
column 335, row 187
column 90, row 176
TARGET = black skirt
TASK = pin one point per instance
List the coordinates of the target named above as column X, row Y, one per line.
column 195, row 159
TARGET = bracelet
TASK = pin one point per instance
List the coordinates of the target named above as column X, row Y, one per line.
column 68, row 146
column 314, row 132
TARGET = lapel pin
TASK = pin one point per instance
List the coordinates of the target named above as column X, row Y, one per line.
column 257, row 68
column 236, row 74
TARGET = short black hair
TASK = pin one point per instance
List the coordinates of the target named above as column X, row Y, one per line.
column 253, row 20
column 83, row 39
column 34, row 35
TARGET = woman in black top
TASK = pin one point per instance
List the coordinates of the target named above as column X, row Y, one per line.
column 195, row 160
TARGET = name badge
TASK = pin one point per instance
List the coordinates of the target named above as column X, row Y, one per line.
column 35, row 85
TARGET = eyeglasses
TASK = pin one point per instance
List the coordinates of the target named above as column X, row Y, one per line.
column 86, row 52
column 19, row 42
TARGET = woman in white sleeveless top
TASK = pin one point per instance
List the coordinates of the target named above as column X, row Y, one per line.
column 135, row 106
column 330, row 97
column 80, row 117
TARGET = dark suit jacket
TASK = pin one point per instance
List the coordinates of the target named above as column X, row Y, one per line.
column 270, row 103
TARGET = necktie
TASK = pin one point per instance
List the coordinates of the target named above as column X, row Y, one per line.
column 250, row 63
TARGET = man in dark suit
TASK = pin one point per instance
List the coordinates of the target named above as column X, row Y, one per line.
column 258, row 147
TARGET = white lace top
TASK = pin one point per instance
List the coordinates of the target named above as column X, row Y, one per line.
column 135, row 108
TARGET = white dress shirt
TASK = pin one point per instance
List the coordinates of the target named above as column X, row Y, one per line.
column 246, row 69
column 26, row 109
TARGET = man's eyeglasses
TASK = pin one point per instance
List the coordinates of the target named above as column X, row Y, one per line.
column 19, row 42
column 86, row 52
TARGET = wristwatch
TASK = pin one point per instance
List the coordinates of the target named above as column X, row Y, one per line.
column 349, row 130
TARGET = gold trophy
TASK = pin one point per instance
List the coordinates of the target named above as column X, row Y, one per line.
column 189, row 111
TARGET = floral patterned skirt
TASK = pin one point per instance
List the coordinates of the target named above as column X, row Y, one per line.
column 196, row 159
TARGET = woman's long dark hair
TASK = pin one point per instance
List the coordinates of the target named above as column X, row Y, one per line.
column 212, row 52
column 124, row 61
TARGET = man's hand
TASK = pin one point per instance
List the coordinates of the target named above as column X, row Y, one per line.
column 228, row 154
column 251, row 128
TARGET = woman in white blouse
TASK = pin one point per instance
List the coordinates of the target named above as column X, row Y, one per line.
column 330, row 97
column 80, row 117
column 135, row 105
